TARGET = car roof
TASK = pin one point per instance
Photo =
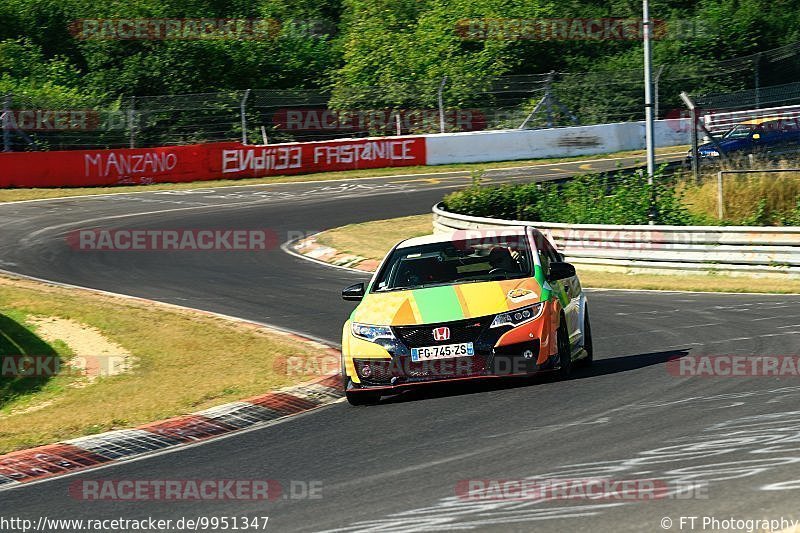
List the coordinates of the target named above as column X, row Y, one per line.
column 762, row 120
column 460, row 235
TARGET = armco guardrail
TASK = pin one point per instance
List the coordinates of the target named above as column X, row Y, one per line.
column 773, row 251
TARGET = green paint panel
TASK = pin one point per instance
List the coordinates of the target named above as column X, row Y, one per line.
column 438, row 304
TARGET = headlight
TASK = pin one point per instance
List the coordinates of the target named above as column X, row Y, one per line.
column 371, row 333
column 710, row 153
column 517, row 317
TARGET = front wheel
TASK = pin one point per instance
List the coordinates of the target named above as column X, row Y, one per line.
column 587, row 340
column 564, row 351
column 361, row 397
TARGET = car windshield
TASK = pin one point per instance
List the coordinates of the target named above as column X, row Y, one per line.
column 739, row 132
column 456, row 261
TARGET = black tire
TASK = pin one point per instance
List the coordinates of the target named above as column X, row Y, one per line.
column 361, row 397
column 564, row 351
column 587, row 340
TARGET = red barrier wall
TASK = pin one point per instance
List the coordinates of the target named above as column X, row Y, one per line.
column 198, row 162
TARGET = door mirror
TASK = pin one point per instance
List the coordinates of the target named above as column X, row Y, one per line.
column 560, row 271
column 354, row 293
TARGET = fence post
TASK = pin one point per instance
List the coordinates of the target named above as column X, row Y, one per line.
column 720, row 208
column 655, row 90
column 757, row 79
column 695, row 152
column 441, row 105
column 4, row 122
column 131, row 122
column 244, row 115
column 548, row 98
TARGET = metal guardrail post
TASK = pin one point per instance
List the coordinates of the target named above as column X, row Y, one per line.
column 4, row 122
column 442, row 125
column 757, row 78
column 131, row 122
column 656, row 79
column 244, row 115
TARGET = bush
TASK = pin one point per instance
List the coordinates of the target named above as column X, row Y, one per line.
column 623, row 198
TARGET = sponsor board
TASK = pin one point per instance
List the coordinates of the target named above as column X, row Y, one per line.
column 77, row 168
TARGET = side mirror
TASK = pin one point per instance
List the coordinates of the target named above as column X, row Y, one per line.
column 560, row 271
column 354, row 293
column 756, row 136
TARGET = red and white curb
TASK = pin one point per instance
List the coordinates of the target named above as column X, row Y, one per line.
column 309, row 248
column 35, row 464
column 69, row 456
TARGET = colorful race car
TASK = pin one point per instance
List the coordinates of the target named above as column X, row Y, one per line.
column 466, row 305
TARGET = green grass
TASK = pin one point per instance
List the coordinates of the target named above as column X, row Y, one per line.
column 184, row 361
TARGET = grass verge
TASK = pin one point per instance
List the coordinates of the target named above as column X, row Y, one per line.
column 183, row 361
column 373, row 239
column 15, row 195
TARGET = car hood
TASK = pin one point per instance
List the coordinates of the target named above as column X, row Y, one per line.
column 726, row 144
column 447, row 303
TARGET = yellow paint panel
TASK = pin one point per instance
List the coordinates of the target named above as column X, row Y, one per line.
column 405, row 315
column 482, row 299
column 390, row 308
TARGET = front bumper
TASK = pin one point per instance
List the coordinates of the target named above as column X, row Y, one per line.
column 499, row 352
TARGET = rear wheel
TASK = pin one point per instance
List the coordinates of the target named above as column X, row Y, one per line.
column 564, row 351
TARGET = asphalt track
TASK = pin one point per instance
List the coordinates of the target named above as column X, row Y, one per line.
column 395, row 466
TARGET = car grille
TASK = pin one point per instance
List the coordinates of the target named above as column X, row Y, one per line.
column 460, row 331
column 458, row 367
column 381, row 372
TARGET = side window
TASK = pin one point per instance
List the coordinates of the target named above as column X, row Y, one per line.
column 547, row 249
column 547, row 254
column 543, row 259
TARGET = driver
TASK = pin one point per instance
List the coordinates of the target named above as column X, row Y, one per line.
column 501, row 258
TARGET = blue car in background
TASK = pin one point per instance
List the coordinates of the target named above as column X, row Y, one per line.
column 765, row 135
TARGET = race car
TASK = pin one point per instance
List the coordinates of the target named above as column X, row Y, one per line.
column 464, row 305
column 764, row 135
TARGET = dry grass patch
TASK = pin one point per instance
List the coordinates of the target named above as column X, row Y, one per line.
column 183, row 361
column 748, row 199
column 373, row 240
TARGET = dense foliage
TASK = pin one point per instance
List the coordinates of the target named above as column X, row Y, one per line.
column 625, row 198
column 401, row 46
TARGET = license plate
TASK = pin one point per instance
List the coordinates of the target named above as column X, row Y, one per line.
column 445, row 351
